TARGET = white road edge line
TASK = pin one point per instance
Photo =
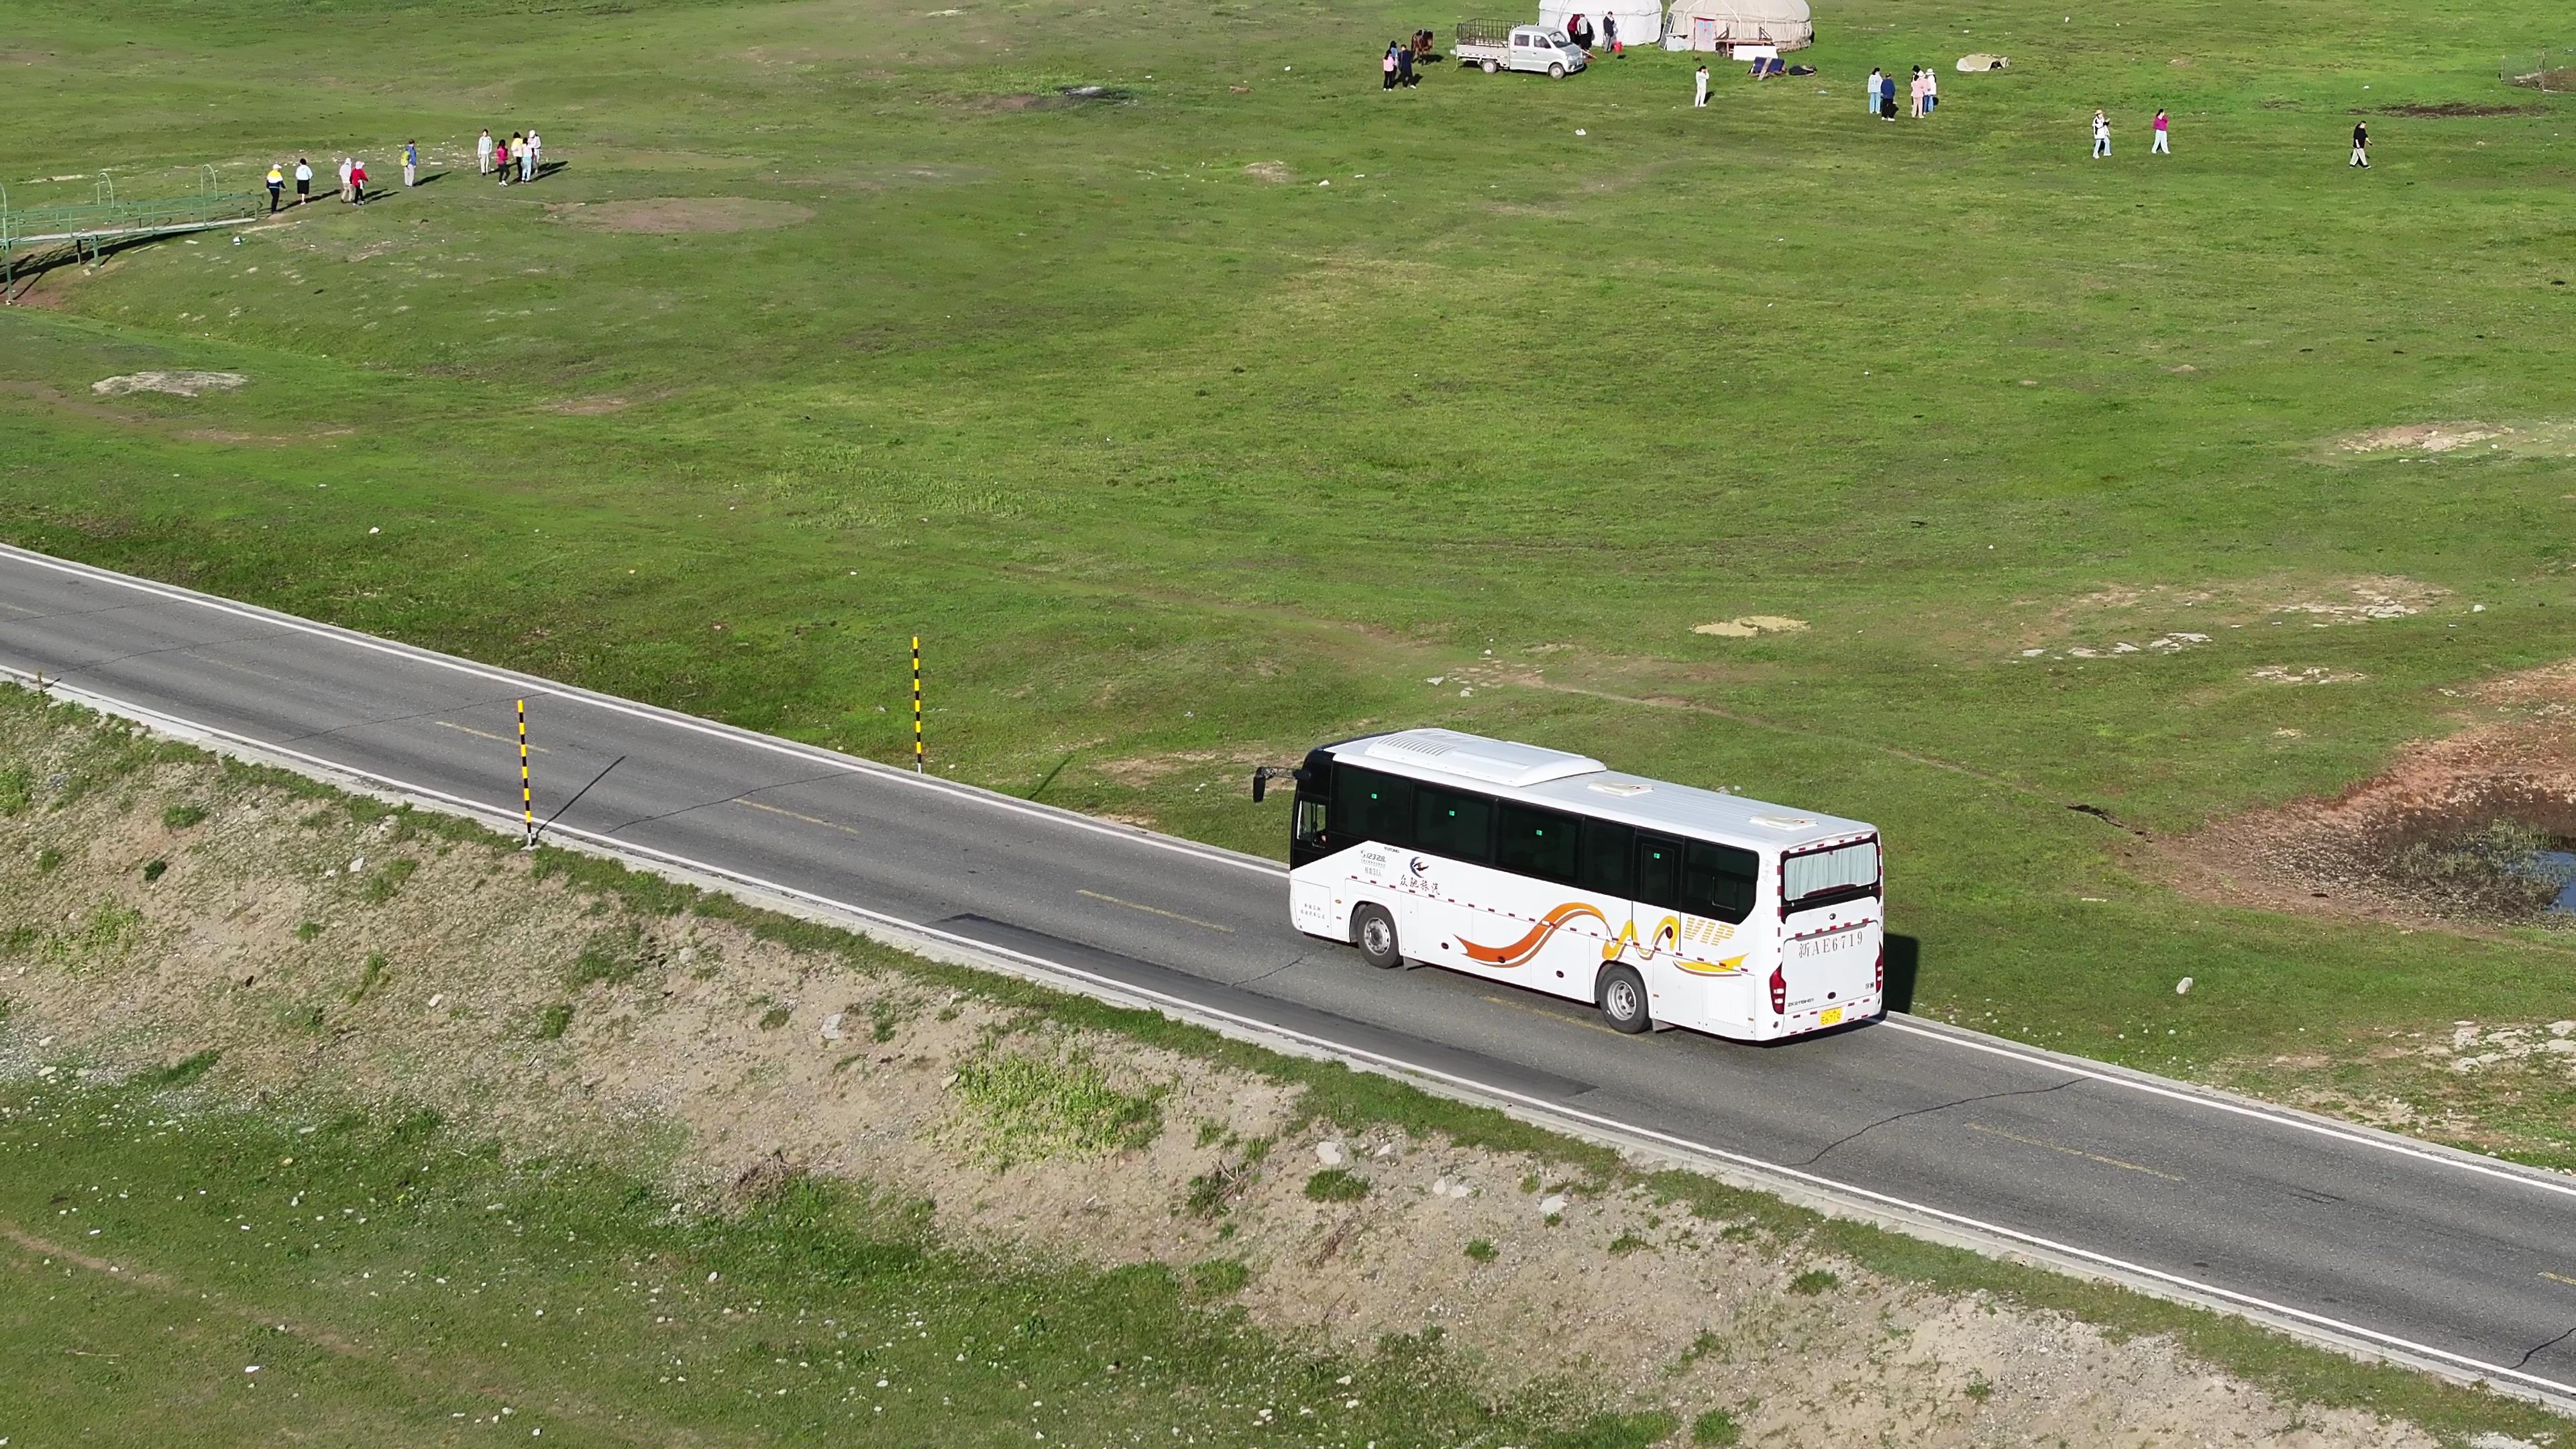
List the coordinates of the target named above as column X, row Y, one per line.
column 537, row 685
column 1537, row 1105
column 855, row 765
column 2221, row 1104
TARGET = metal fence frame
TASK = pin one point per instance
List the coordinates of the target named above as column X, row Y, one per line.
column 2550, row 70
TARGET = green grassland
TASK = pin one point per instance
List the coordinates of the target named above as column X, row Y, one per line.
column 195, row 1276
column 1176, row 465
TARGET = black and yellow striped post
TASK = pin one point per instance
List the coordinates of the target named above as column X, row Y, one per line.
column 527, row 792
column 916, row 704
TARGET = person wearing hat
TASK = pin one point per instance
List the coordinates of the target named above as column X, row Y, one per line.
column 276, row 184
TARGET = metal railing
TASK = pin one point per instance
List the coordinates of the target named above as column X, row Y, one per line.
column 33, row 238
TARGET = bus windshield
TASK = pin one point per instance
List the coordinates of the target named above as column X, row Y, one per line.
column 1824, row 877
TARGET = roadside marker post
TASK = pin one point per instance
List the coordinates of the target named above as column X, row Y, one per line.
column 527, row 792
column 916, row 704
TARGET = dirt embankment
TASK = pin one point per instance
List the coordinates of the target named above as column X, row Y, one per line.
column 155, row 907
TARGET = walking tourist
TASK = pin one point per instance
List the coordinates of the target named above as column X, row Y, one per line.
column 1914, row 95
column 527, row 149
column 1931, row 91
column 1610, row 34
column 1873, row 90
column 276, row 184
column 357, row 182
column 536, row 154
column 411, row 164
column 1386, row 68
column 1887, row 97
column 483, row 153
column 2162, row 147
column 303, row 181
column 501, row 160
column 2361, row 144
column 2101, row 136
column 1699, row 88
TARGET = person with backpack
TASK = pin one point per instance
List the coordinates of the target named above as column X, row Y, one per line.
column 276, row 184
column 411, row 164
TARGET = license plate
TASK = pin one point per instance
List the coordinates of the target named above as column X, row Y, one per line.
column 1832, row 1017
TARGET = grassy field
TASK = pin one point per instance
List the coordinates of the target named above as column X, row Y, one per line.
column 1179, row 458
column 179, row 1275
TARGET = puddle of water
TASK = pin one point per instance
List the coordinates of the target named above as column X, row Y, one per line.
column 2558, row 867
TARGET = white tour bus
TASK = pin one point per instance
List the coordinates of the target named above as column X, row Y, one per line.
column 1661, row 904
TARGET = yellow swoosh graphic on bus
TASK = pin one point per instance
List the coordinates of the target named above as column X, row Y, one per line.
column 1731, row 966
column 1527, row 946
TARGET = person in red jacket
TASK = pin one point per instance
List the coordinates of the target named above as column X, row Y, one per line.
column 358, row 181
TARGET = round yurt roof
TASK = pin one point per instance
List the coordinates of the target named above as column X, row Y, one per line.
column 1745, row 16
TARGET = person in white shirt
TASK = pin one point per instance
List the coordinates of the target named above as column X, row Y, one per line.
column 303, row 181
column 2101, row 136
column 536, row 154
column 1699, row 88
column 483, row 153
column 344, row 178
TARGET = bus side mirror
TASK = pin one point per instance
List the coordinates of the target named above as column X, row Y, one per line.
column 1262, row 777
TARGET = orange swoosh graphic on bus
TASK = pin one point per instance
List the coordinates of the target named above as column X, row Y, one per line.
column 1528, row 946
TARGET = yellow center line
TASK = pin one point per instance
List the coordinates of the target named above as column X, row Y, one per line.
column 1552, row 1015
column 808, row 819
column 2557, row 1278
column 2071, row 1151
column 447, row 724
column 1157, row 911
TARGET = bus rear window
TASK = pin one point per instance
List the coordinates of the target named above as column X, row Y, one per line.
column 1823, row 877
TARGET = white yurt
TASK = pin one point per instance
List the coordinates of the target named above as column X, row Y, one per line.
column 1722, row 25
column 1641, row 22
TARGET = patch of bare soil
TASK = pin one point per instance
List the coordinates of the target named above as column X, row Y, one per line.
column 2450, row 110
column 586, row 407
column 178, row 384
column 1274, row 171
column 2420, row 437
column 1751, row 625
column 2447, row 833
column 334, row 959
column 676, row 215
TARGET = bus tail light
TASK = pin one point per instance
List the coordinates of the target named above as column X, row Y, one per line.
column 1779, row 989
column 1878, row 973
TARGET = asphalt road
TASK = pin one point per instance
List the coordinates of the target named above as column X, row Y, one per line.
column 2431, row 1255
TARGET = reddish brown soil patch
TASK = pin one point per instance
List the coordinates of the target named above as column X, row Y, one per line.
column 2451, row 110
column 2335, row 856
column 673, row 215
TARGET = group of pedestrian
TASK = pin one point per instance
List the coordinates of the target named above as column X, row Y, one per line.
column 353, row 178
column 1397, row 66
column 2102, row 135
column 1579, row 30
column 1882, row 93
column 524, row 154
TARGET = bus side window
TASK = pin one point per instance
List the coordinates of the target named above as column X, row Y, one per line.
column 1602, row 865
column 1718, row 881
column 1537, row 843
column 1371, row 806
column 1453, row 823
column 1659, row 872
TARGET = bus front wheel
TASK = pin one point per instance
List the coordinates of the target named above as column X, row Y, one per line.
column 1373, row 931
column 1623, row 999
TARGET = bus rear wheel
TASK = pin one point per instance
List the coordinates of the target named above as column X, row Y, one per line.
column 1373, row 931
column 1623, row 999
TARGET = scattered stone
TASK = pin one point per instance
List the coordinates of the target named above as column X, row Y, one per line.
column 832, row 1027
column 2183, row 987
column 1330, row 1154
column 1551, row 1205
column 180, row 384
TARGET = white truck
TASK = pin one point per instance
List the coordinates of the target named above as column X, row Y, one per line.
column 1496, row 46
